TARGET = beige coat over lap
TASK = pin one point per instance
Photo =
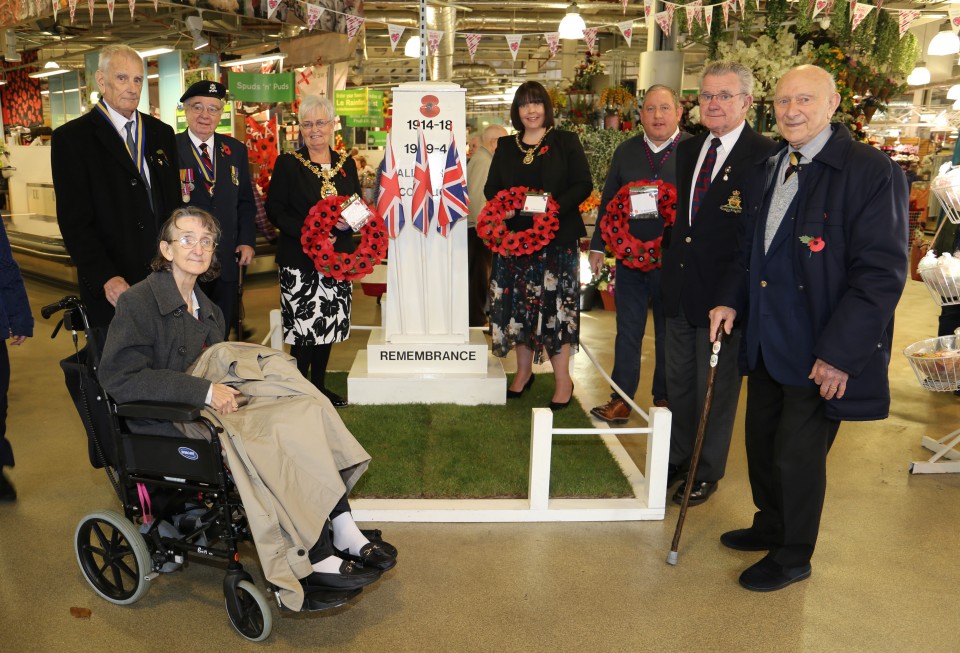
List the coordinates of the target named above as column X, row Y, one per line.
column 290, row 454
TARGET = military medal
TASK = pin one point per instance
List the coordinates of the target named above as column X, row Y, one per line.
column 233, row 176
column 186, row 184
column 726, row 173
column 327, row 187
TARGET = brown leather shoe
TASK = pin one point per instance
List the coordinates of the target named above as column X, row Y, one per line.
column 661, row 403
column 615, row 411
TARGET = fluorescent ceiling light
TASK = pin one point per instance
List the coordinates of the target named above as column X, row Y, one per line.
column 200, row 41
column 945, row 42
column 572, row 25
column 154, row 76
column 49, row 73
column 154, row 52
column 44, row 92
column 3, row 81
column 255, row 59
column 412, row 48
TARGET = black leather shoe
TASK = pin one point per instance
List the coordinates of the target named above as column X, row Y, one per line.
column 372, row 555
column 327, row 599
column 560, row 405
column 768, row 576
column 352, row 576
column 516, row 394
column 376, row 535
column 335, row 399
column 701, row 492
column 7, row 493
column 745, row 539
column 675, row 474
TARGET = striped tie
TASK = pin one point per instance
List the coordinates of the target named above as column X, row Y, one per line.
column 794, row 165
column 207, row 163
column 703, row 179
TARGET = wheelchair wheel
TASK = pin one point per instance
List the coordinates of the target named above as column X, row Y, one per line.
column 113, row 556
column 250, row 613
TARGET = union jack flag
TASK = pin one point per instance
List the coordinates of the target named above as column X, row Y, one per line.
column 421, row 205
column 453, row 194
column 389, row 205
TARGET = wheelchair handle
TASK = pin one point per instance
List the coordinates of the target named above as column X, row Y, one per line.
column 69, row 302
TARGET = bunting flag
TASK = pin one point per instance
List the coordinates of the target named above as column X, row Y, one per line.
column 156, row 5
column 473, row 40
column 553, row 42
column 818, row 6
column 624, row 3
column 395, row 32
column 691, row 14
column 954, row 18
column 272, row 6
column 56, row 6
column 590, row 36
column 671, row 8
column 132, row 4
column 725, row 6
column 421, row 203
column 433, row 39
column 664, row 20
column 90, row 7
column 698, row 10
column 709, row 18
column 626, row 28
column 390, row 204
column 313, row 16
column 513, row 42
column 859, row 12
column 743, row 9
column 110, row 5
column 853, row 7
column 453, row 193
column 354, row 23
column 647, row 8
column 905, row 17
column 72, row 4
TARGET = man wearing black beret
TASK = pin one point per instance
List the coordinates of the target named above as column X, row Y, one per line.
column 215, row 176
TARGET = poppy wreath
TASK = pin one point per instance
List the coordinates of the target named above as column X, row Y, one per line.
column 492, row 228
column 318, row 245
column 638, row 254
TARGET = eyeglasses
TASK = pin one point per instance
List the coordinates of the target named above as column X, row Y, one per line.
column 723, row 98
column 189, row 241
column 320, row 124
column 198, row 107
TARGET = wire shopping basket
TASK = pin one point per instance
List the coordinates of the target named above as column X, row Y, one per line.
column 936, row 362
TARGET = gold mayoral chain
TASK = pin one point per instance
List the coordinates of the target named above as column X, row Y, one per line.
column 326, row 188
column 528, row 154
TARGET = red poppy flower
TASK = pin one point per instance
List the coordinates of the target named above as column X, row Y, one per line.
column 544, row 149
column 816, row 244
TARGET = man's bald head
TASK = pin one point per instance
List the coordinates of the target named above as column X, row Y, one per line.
column 490, row 135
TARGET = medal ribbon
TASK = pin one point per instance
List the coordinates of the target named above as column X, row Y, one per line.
column 666, row 152
column 138, row 138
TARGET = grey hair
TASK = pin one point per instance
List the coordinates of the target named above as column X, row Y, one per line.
column 663, row 87
column 311, row 103
column 725, row 68
column 119, row 49
column 492, row 133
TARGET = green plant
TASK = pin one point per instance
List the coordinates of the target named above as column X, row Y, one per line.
column 886, row 40
column 776, row 16
column 905, row 56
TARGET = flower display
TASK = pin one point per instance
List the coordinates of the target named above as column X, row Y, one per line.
column 493, row 230
column 316, row 237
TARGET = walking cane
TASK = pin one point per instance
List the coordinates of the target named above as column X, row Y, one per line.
column 239, row 299
column 697, row 445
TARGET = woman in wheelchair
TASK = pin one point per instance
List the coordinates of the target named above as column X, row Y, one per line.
column 292, row 458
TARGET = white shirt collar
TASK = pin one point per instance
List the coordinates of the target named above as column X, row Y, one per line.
column 196, row 141
column 657, row 148
column 727, row 141
column 120, row 121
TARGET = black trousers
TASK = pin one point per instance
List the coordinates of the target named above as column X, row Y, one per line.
column 788, row 438
column 479, row 261
column 6, row 450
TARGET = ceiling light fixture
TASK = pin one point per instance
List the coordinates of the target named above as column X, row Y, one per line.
column 195, row 25
column 945, row 42
column 255, row 59
column 572, row 25
column 954, row 92
column 155, row 52
column 920, row 75
column 412, row 47
column 50, row 65
column 49, row 71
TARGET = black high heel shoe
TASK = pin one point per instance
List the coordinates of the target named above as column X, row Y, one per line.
column 516, row 394
column 560, row 405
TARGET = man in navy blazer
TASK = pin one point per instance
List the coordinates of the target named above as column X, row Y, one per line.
column 825, row 267
column 702, row 245
column 219, row 184
column 114, row 173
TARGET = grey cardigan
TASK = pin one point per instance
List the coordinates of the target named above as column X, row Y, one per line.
column 153, row 340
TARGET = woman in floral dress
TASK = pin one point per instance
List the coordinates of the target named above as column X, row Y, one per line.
column 535, row 299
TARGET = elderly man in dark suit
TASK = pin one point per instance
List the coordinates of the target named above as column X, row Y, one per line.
column 215, row 176
column 713, row 178
column 826, row 264
column 114, row 173
column 650, row 156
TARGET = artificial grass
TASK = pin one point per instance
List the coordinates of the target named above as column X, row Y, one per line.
column 445, row 451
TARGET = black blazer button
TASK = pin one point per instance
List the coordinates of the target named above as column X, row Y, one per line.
column 181, row 350
column 178, row 312
column 133, row 182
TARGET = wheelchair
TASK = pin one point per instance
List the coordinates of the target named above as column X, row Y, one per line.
column 179, row 502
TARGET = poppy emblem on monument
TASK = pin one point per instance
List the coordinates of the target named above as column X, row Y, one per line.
column 430, row 106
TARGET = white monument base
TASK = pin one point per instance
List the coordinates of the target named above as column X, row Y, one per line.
column 365, row 388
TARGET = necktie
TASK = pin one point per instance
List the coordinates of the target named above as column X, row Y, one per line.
column 794, row 165
column 132, row 142
column 703, row 179
column 208, row 164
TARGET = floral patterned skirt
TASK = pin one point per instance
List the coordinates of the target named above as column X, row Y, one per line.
column 535, row 301
column 315, row 309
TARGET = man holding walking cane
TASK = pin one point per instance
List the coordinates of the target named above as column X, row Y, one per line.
column 823, row 270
